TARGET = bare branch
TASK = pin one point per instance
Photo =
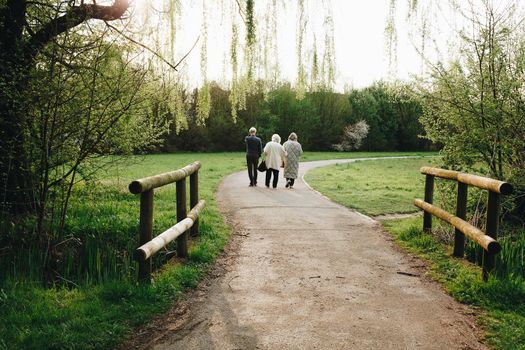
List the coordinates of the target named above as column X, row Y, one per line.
column 186, row 55
column 72, row 18
column 143, row 46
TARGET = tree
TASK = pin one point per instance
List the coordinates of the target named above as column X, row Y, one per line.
column 475, row 104
column 26, row 29
column 353, row 136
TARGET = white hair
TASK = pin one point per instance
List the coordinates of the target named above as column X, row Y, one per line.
column 293, row 136
column 252, row 130
column 276, row 138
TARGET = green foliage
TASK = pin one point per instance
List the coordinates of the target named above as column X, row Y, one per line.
column 100, row 232
column 318, row 119
column 392, row 114
column 510, row 261
column 250, row 24
column 473, row 105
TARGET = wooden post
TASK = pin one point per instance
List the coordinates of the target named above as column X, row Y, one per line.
column 461, row 212
column 194, row 199
column 493, row 211
column 429, row 195
column 182, row 240
column 146, row 229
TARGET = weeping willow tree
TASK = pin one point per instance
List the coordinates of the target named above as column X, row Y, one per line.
column 252, row 32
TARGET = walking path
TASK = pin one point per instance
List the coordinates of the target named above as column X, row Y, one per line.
column 307, row 273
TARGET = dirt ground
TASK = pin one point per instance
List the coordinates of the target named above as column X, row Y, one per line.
column 302, row 272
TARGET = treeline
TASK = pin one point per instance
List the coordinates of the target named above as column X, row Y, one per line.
column 318, row 119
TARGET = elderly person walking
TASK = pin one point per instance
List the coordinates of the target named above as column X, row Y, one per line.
column 275, row 154
column 294, row 151
column 253, row 152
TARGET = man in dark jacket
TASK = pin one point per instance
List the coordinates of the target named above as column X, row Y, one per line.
column 253, row 152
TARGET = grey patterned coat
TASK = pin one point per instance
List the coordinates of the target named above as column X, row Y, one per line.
column 291, row 167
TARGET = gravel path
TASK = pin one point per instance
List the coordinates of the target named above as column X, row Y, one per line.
column 306, row 273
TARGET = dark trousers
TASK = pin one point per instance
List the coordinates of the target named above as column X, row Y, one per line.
column 269, row 173
column 291, row 181
column 252, row 161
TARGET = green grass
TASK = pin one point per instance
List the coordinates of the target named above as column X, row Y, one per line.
column 91, row 315
column 373, row 187
column 389, row 186
column 101, row 304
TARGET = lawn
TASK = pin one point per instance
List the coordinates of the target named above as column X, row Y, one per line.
column 373, row 187
column 389, row 186
column 99, row 303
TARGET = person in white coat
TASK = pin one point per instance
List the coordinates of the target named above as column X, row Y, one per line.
column 274, row 154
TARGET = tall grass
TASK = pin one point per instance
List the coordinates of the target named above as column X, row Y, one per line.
column 510, row 261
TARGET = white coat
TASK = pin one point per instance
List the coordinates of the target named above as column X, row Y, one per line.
column 274, row 153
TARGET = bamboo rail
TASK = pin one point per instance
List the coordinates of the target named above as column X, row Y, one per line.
column 152, row 247
column 486, row 240
column 148, row 183
column 484, row 183
column 185, row 221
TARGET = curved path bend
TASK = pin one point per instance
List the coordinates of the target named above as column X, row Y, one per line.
column 307, row 273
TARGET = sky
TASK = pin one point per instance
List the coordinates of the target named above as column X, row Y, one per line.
column 359, row 36
column 360, row 41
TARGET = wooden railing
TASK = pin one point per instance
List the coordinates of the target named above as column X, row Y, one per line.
column 185, row 221
column 486, row 240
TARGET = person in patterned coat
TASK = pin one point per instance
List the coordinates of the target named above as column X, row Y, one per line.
column 294, row 152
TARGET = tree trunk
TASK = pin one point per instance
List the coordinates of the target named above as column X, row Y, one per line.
column 15, row 173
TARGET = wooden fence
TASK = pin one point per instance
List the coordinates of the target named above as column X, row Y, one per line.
column 185, row 221
column 486, row 240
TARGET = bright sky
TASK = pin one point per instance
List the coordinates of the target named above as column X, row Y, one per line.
column 359, row 34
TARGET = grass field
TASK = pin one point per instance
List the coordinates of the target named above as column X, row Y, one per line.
column 99, row 302
column 389, row 186
column 373, row 187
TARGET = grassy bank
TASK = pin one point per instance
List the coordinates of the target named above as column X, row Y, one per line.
column 98, row 303
column 501, row 301
column 389, row 186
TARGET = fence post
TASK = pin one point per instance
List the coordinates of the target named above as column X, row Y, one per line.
column 182, row 240
column 461, row 212
column 493, row 211
column 429, row 195
column 194, row 199
column 146, row 229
